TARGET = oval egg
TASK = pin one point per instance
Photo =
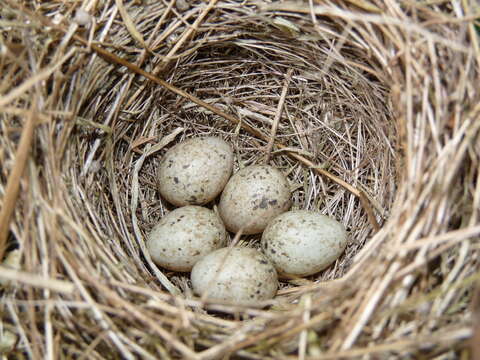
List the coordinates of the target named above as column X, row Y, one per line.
column 252, row 197
column 184, row 236
column 238, row 275
column 301, row 243
column 195, row 171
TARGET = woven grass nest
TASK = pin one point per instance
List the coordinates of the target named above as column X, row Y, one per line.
column 377, row 107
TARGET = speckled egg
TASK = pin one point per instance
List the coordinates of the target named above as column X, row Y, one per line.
column 195, row 171
column 184, row 236
column 238, row 275
column 252, row 197
column 301, row 243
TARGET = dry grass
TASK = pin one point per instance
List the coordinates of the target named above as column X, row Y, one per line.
column 370, row 107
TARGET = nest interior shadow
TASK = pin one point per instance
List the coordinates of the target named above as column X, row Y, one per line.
column 385, row 104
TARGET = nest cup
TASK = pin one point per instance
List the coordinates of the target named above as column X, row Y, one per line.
column 336, row 114
column 379, row 130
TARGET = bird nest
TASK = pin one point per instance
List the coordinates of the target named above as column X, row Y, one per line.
column 370, row 108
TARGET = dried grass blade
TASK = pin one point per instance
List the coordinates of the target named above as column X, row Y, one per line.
column 304, row 8
column 186, row 35
column 365, row 6
column 454, row 237
column 35, row 280
column 130, row 25
column 134, row 204
column 165, row 141
column 13, row 182
column 278, row 115
column 418, row 341
column 475, row 308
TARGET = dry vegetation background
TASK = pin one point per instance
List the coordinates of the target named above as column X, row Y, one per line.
column 377, row 107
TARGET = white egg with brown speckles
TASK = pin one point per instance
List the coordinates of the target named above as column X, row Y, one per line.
column 252, row 197
column 184, row 236
column 301, row 243
column 195, row 171
column 237, row 275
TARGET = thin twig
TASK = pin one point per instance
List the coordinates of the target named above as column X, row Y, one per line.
column 278, row 115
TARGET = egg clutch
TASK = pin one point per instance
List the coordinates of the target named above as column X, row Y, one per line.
column 255, row 200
